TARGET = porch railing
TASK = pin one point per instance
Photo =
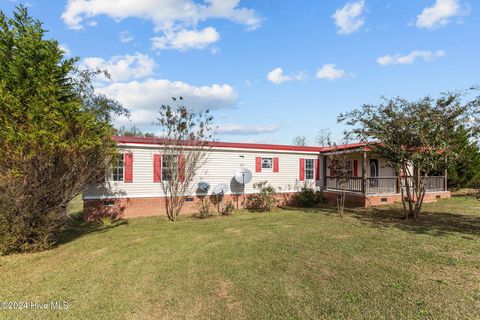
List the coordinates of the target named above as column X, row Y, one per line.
column 435, row 184
column 352, row 184
column 379, row 185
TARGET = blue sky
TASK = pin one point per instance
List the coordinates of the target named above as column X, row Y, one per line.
column 269, row 70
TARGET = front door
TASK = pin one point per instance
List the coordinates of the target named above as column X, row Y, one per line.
column 373, row 168
column 374, row 172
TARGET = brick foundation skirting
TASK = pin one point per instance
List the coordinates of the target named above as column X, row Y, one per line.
column 353, row 200
column 155, row 206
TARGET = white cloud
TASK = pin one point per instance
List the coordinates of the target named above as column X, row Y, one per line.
column 65, row 49
column 163, row 13
column 144, row 98
column 410, row 58
column 439, row 14
column 126, row 36
column 349, row 18
column 276, row 76
column 330, row 71
column 122, row 68
column 186, row 39
column 238, row 129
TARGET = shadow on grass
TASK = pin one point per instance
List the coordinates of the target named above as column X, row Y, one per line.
column 467, row 195
column 432, row 223
column 78, row 227
column 325, row 209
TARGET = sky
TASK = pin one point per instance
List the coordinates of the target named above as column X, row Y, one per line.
column 267, row 70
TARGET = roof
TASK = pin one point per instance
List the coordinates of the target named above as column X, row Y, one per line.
column 240, row 145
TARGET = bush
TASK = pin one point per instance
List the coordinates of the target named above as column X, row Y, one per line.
column 203, row 209
column 308, row 198
column 262, row 201
column 106, row 221
column 55, row 134
column 229, row 209
column 22, row 228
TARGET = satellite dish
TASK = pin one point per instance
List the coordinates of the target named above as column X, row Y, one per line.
column 243, row 176
column 221, row 189
column 203, row 186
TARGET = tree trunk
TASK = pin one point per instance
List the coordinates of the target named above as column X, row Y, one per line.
column 409, row 197
column 402, row 194
column 421, row 191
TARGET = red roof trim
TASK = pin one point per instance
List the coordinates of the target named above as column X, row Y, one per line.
column 239, row 145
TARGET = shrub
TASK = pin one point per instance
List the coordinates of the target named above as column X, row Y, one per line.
column 23, row 230
column 203, row 209
column 308, row 198
column 229, row 209
column 262, row 201
column 106, row 221
column 55, row 134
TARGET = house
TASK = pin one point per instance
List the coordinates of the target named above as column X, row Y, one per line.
column 133, row 187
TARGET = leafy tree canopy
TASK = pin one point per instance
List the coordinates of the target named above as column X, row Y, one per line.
column 55, row 133
column 418, row 134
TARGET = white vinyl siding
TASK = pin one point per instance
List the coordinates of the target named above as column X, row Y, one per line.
column 220, row 167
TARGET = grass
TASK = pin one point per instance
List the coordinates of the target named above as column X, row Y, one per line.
column 287, row 264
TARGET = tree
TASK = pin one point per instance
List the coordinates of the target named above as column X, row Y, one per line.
column 416, row 138
column 323, row 137
column 464, row 172
column 184, row 148
column 340, row 165
column 299, row 141
column 55, row 134
column 133, row 131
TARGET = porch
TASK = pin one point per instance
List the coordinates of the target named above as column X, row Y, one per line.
column 381, row 185
column 373, row 182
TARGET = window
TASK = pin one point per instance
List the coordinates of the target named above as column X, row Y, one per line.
column 350, row 168
column 267, row 163
column 117, row 168
column 309, row 169
column 169, row 167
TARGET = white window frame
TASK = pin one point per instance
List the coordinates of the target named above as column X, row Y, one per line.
column 165, row 176
column 268, row 168
column 308, row 170
column 351, row 170
column 117, row 172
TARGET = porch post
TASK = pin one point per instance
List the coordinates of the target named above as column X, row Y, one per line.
column 364, row 172
column 324, row 172
column 445, row 177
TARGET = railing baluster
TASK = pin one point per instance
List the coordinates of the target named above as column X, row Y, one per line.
column 379, row 185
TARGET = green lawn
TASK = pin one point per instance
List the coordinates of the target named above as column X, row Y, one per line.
column 287, row 264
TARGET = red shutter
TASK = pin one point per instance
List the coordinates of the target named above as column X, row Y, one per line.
column 128, row 167
column 317, row 169
column 275, row 164
column 302, row 169
column 355, row 168
column 258, row 164
column 157, row 168
column 181, row 168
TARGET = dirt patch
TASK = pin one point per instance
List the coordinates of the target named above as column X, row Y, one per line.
column 223, row 289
